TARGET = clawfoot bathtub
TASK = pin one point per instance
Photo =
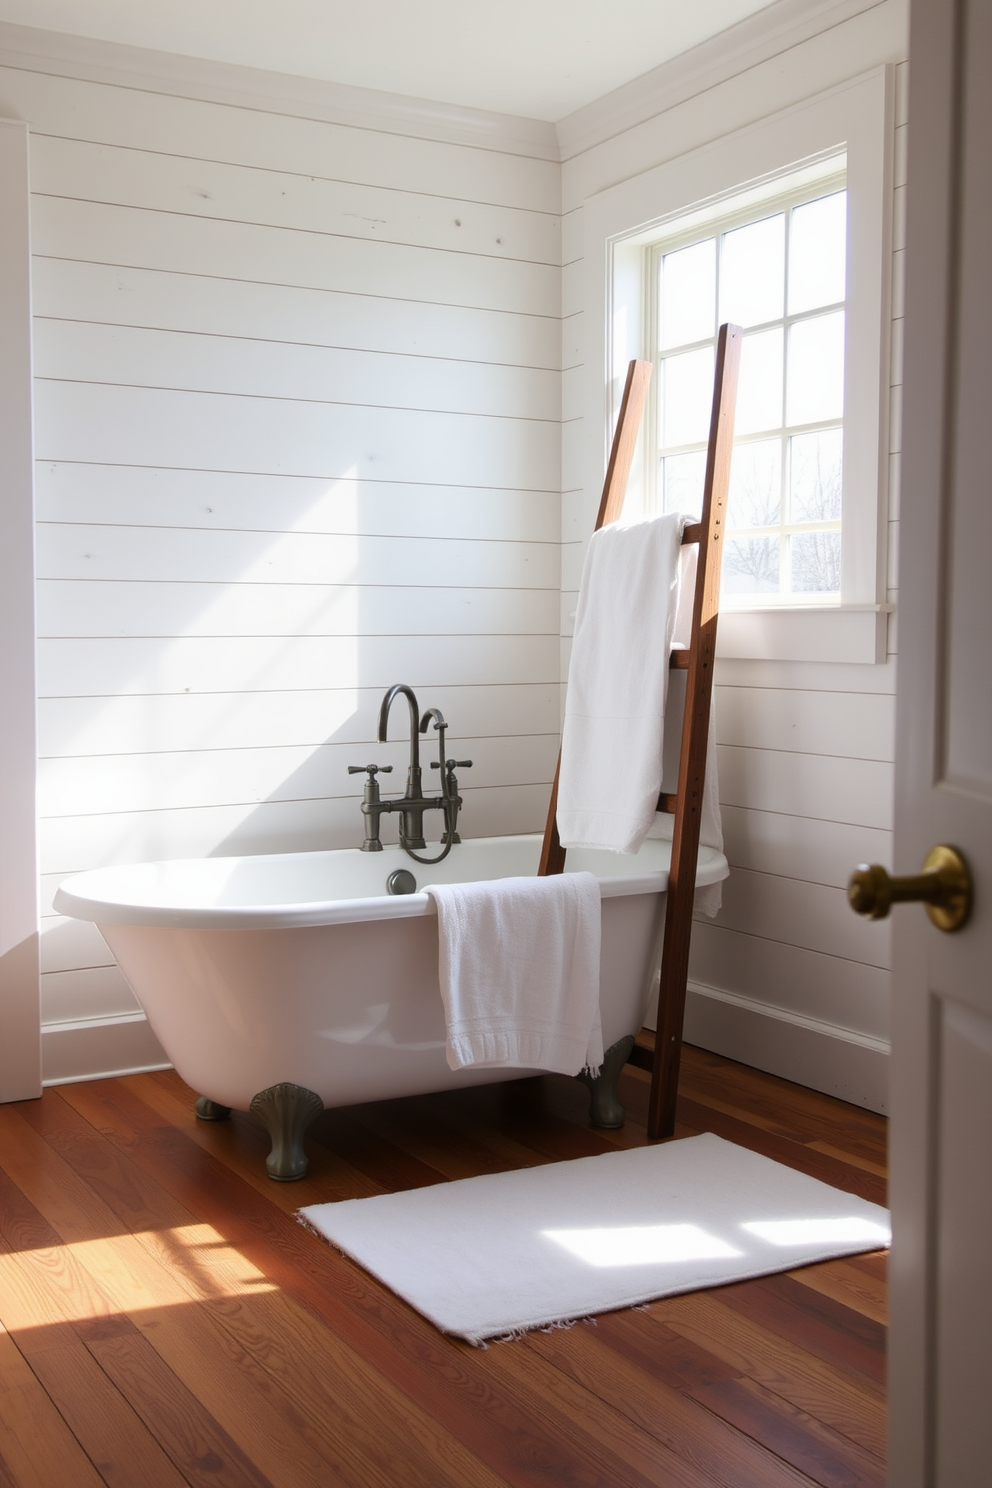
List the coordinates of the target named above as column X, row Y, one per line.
column 288, row 983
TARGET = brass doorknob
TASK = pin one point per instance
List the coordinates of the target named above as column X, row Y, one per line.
column 944, row 887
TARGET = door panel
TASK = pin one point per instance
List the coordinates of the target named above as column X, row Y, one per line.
column 964, row 1246
column 941, row 1343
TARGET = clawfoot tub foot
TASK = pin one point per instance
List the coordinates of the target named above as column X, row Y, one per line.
column 209, row 1110
column 286, row 1111
column 604, row 1105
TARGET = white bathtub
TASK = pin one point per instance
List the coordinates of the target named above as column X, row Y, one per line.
column 301, row 971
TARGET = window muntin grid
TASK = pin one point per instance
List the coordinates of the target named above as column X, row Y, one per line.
column 777, row 270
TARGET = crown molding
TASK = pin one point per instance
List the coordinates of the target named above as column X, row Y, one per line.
column 766, row 34
column 63, row 55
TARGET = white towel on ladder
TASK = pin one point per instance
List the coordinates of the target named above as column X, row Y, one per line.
column 612, row 743
column 519, row 970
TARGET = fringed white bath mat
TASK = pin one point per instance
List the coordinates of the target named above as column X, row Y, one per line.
column 491, row 1256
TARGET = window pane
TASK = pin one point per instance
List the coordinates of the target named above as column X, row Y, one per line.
column 755, row 484
column 682, row 479
column 752, row 272
column 818, row 253
column 750, row 565
column 688, row 294
column 815, row 562
column 759, row 386
column 815, row 476
column 687, row 397
column 816, row 369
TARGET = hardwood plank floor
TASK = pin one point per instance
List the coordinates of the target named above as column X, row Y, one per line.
column 164, row 1319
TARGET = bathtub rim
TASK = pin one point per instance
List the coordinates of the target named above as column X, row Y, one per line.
column 79, row 895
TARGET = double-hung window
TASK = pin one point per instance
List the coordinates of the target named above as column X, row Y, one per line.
column 779, row 272
column 783, row 228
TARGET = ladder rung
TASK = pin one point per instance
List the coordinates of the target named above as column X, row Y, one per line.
column 667, row 804
column 693, row 533
column 678, row 661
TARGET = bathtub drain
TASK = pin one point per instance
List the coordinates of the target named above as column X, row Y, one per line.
column 401, row 881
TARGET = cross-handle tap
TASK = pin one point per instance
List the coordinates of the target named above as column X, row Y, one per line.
column 449, row 791
column 371, row 804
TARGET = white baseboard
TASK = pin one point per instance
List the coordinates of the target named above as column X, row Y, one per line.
column 97, row 1048
column 823, row 1056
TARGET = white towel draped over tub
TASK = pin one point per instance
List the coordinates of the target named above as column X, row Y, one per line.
column 519, row 970
column 635, row 602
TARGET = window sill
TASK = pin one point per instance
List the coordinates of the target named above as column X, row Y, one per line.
column 842, row 633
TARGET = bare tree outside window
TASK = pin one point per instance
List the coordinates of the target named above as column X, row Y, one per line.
column 751, row 565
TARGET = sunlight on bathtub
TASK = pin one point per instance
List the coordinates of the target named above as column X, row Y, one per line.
column 123, row 1273
column 642, row 1245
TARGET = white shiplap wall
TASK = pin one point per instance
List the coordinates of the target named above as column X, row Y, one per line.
column 787, row 978
column 297, row 436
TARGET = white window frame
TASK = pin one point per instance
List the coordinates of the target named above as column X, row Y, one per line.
column 804, row 142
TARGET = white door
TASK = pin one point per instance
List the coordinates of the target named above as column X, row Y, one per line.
column 941, row 1342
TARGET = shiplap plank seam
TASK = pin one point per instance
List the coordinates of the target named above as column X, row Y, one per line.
column 203, row 392
column 287, row 170
column 311, row 231
column 221, row 336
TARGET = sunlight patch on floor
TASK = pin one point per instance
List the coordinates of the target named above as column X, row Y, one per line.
column 123, row 1273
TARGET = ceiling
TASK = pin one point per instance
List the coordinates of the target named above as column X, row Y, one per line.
column 539, row 58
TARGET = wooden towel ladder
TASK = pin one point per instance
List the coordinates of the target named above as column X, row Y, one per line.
column 697, row 660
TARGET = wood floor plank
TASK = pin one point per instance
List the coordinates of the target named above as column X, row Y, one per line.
column 37, row 1448
column 385, row 1167
column 667, row 1356
column 76, row 1177
column 853, row 1408
column 425, row 1131
column 853, row 1159
column 795, row 1437
column 781, row 1149
column 638, row 1455
column 811, row 1115
column 874, row 1263
column 43, row 1281
column 849, row 1285
column 838, row 1333
column 204, row 1452
column 627, row 1382
column 111, row 1433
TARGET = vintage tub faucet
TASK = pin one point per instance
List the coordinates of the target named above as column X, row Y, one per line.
column 413, row 803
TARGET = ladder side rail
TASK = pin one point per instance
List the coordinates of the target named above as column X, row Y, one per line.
column 695, row 731
column 635, row 393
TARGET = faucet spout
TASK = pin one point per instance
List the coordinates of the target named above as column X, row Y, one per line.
column 387, row 703
column 413, row 804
